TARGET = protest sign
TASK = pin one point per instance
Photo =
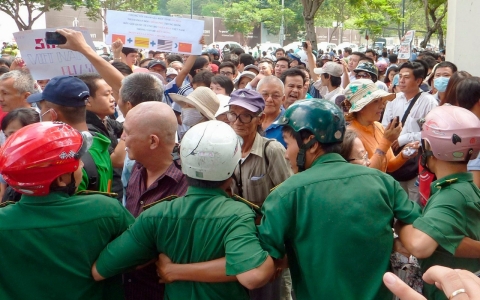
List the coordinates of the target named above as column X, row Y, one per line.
column 406, row 45
column 47, row 61
column 158, row 33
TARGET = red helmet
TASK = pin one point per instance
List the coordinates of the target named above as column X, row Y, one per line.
column 452, row 132
column 34, row 156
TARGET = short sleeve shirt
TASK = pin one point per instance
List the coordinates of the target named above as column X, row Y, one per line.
column 451, row 213
column 334, row 221
column 201, row 226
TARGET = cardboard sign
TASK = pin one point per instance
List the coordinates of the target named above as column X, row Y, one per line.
column 47, row 61
column 157, row 33
column 405, row 50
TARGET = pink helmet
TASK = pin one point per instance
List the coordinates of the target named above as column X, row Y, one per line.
column 381, row 65
column 452, row 132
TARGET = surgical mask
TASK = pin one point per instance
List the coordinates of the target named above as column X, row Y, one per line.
column 441, row 83
column 191, row 117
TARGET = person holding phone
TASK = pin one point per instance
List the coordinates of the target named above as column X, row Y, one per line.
column 365, row 103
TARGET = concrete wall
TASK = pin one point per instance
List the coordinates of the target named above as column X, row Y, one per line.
column 462, row 42
column 67, row 16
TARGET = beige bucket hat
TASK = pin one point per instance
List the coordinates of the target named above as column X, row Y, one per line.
column 202, row 98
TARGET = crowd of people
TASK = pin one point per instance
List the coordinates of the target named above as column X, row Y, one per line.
column 228, row 177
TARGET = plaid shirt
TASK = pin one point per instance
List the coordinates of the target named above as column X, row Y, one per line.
column 143, row 284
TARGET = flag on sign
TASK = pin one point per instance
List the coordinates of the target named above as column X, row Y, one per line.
column 164, row 45
column 141, row 42
column 116, row 37
column 184, row 47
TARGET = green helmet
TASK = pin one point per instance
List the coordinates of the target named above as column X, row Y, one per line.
column 321, row 117
column 367, row 67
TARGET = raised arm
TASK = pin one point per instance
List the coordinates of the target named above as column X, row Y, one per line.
column 76, row 42
column 311, row 61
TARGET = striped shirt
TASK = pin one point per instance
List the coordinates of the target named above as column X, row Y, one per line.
column 143, row 284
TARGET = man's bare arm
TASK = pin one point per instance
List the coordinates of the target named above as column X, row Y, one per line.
column 76, row 42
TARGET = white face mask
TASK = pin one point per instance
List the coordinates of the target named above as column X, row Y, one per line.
column 191, row 117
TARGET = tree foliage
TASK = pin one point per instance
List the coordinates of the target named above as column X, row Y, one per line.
column 271, row 16
column 310, row 8
column 434, row 12
column 241, row 17
column 96, row 8
column 35, row 9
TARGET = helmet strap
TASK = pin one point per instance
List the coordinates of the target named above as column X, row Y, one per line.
column 238, row 181
column 423, row 159
column 301, row 156
column 469, row 154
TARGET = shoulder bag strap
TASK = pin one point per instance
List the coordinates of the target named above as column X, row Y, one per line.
column 407, row 112
column 267, row 162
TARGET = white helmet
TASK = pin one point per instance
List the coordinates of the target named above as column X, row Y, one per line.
column 210, row 151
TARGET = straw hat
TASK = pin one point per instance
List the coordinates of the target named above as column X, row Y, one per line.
column 361, row 92
column 202, row 98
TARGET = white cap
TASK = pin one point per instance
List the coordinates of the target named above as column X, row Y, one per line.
column 171, row 71
column 223, row 108
column 331, row 68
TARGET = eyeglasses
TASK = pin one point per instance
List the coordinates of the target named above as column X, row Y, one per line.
column 363, row 76
column 244, row 118
column 364, row 158
column 274, row 96
column 226, row 73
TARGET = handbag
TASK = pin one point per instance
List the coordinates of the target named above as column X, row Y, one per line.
column 409, row 170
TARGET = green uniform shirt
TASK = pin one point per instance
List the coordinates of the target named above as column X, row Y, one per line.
column 101, row 157
column 49, row 244
column 201, row 226
column 451, row 213
column 334, row 221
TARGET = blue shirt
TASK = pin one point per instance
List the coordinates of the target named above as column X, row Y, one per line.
column 171, row 87
column 274, row 131
column 126, row 172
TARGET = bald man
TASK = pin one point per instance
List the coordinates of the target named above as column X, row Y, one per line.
column 149, row 134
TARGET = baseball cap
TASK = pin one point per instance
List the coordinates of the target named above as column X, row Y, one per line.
column 248, row 67
column 214, row 68
column 157, row 62
column 171, row 71
column 248, row 74
column 66, row 91
column 249, row 99
column 223, row 108
column 331, row 68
